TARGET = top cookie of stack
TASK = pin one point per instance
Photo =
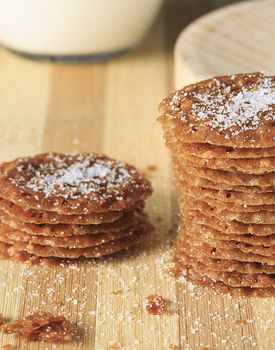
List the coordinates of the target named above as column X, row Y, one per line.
column 236, row 111
column 64, row 206
column 222, row 137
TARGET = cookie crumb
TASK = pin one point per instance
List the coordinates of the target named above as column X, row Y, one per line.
column 156, row 305
column 8, row 347
column 118, row 292
column 152, row 168
column 2, row 321
column 241, row 322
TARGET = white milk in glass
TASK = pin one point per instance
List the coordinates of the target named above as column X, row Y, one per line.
column 75, row 27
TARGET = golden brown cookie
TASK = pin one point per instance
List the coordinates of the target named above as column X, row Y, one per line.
column 67, row 184
column 182, row 177
column 207, row 250
column 219, row 286
column 232, row 206
column 252, row 199
column 83, row 241
column 230, row 178
column 49, row 217
column 74, row 253
column 205, row 150
column 189, row 268
column 129, row 219
column 235, row 110
column 230, row 227
column 255, row 166
column 228, row 245
column 206, row 232
column 194, row 233
column 259, row 217
column 244, row 165
column 224, row 265
column 222, row 138
column 235, row 279
column 201, row 182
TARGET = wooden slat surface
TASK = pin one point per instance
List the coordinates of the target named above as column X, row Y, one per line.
column 112, row 108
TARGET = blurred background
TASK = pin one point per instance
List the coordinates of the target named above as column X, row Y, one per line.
column 94, row 29
column 89, row 76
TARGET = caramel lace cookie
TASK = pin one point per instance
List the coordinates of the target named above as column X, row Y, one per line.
column 266, row 251
column 230, row 227
column 239, row 198
column 248, row 165
column 205, row 236
column 67, row 184
column 182, row 177
column 58, row 206
column 128, row 219
column 232, row 206
column 42, row 326
column 205, row 150
column 221, row 274
column 234, row 278
column 40, row 217
column 209, row 233
column 255, row 166
column 259, row 217
column 76, row 241
column 182, row 254
column 214, row 250
column 229, row 177
column 134, row 237
column 222, row 138
column 235, row 110
column 218, row 286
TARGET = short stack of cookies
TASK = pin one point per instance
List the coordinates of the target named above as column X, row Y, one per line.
column 70, row 206
column 221, row 133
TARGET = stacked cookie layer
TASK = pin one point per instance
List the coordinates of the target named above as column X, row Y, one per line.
column 221, row 133
column 63, row 206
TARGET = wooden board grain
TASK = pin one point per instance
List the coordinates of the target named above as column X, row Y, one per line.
column 236, row 38
column 112, row 107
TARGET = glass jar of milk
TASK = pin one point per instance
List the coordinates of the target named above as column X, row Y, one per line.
column 70, row 28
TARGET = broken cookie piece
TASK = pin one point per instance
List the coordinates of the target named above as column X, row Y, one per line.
column 42, row 326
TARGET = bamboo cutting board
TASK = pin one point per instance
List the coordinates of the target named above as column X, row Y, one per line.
column 112, row 108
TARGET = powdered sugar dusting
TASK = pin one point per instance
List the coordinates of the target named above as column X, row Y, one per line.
column 224, row 111
column 75, row 176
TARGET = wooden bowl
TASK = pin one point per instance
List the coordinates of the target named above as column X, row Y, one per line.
column 235, row 38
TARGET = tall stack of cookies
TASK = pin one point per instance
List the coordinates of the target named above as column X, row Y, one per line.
column 64, row 206
column 221, row 133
